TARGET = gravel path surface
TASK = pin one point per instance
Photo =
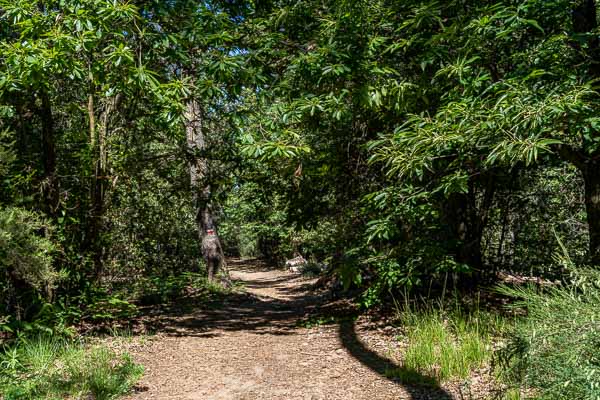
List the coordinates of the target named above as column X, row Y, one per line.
column 252, row 347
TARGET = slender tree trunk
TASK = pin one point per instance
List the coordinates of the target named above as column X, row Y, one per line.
column 98, row 143
column 96, row 216
column 201, row 191
column 50, row 186
column 96, row 194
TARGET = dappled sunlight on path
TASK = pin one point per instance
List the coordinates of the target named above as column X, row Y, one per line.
column 252, row 347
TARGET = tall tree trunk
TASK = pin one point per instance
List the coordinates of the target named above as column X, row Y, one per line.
column 98, row 143
column 461, row 229
column 201, row 191
column 589, row 165
column 465, row 221
column 584, row 19
column 50, row 188
column 591, row 178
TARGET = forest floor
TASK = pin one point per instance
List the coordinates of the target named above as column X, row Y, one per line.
column 269, row 340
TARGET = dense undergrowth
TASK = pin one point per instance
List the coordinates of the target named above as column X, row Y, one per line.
column 545, row 345
column 553, row 352
column 48, row 359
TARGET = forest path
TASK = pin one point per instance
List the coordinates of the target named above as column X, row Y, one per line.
column 252, row 347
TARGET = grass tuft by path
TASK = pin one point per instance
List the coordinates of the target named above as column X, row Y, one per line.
column 442, row 346
column 47, row 368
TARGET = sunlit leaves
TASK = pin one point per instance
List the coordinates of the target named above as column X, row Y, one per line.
column 507, row 124
column 459, row 70
column 119, row 53
column 118, row 10
column 517, row 150
column 73, row 42
column 90, row 49
column 426, row 15
column 310, row 105
column 266, row 151
column 17, row 11
column 336, row 69
column 144, row 77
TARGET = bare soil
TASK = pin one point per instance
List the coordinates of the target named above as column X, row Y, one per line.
column 257, row 344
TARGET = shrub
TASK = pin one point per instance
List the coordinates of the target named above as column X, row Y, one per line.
column 26, row 256
column 26, row 248
column 553, row 352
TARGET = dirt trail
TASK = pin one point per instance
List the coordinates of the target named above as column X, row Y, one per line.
column 251, row 347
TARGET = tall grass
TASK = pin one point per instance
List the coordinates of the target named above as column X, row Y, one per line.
column 555, row 351
column 47, row 368
column 445, row 345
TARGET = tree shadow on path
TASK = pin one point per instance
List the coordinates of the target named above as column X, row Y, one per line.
column 382, row 365
column 258, row 314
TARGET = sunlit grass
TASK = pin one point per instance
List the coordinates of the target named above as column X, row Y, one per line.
column 46, row 368
column 442, row 346
column 553, row 350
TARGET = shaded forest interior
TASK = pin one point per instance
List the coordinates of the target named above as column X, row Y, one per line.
column 433, row 161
